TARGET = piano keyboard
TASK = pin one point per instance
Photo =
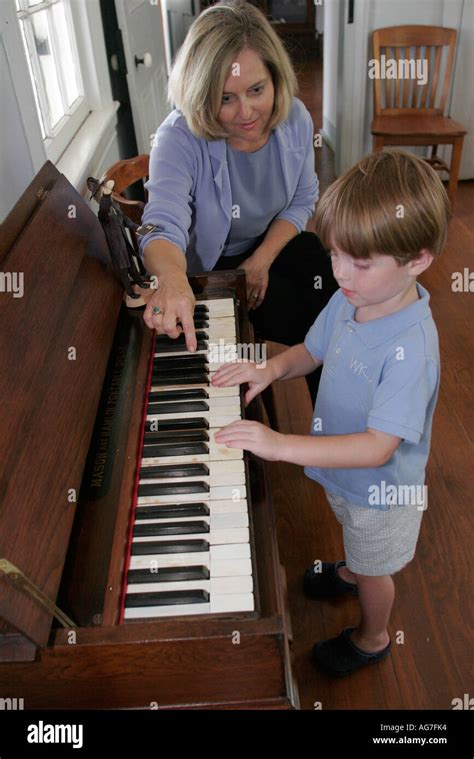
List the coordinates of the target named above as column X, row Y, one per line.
column 190, row 551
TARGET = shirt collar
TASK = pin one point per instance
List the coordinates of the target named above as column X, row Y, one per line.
column 378, row 331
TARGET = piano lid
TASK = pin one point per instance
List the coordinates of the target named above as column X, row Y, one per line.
column 58, row 310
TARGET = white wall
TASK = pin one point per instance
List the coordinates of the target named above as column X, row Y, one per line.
column 461, row 100
column 332, row 11
column 16, row 166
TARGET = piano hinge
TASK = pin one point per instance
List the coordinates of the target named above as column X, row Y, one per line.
column 21, row 581
column 41, row 193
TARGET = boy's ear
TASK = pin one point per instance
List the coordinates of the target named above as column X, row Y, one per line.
column 422, row 262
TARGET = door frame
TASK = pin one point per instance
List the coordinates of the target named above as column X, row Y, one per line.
column 352, row 82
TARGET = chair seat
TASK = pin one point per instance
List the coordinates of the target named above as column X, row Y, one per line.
column 419, row 126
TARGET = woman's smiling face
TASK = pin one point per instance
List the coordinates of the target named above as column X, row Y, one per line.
column 247, row 102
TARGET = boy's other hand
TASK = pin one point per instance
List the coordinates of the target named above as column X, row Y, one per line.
column 251, row 436
column 257, row 376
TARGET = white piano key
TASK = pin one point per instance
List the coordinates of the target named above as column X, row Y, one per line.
column 228, row 506
column 218, row 472
column 234, row 603
column 221, row 403
column 217, row 329
column 219, row 307
column 216, row 585
column 219, row 604
column 213, row 392
column 233, row 551
column 176, row 610
column 231, row 567
column 215, row 553
column 216, row 507
column 227, row 407
column 216, row 453
column 227, row 345
column 230, row 479
column 229, row 520
column 220, row 567
column 215, row 419
column 214, row 537
column 153, row 562
column 218, row 493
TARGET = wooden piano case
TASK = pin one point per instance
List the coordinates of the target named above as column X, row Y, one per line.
column 57, row 344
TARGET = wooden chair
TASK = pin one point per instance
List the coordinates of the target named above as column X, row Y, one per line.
column 409, row 113
column 125, row 173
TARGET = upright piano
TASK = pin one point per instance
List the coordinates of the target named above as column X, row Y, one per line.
column 139, row 563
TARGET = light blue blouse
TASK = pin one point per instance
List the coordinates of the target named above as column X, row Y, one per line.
column 258, row 194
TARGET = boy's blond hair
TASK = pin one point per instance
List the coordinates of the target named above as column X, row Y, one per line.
column 390, row 202
column 205, row 58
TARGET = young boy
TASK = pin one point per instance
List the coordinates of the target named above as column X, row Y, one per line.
column 385, row 221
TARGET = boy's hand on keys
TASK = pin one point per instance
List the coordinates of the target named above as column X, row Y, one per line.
column 257, row 376
column 251, row 436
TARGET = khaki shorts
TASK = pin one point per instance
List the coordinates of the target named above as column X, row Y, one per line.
column 377, row 542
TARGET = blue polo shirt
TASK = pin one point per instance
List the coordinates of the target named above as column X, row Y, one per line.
column 382, row 374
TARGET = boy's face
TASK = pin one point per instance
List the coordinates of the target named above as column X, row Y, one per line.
column 373, row 281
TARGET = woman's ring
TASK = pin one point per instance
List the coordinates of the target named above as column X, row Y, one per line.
column 254, row 295
column 156, row 310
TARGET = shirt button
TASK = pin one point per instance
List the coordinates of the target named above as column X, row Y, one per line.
column 338, row 350
column 349, row 329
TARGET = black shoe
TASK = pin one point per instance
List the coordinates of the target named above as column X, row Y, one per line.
column 327, row 582
column 340, row 656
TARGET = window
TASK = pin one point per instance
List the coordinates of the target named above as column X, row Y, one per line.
column 51, row 51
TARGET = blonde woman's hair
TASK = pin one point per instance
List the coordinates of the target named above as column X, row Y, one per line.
column 390, row 202
column 204, row 62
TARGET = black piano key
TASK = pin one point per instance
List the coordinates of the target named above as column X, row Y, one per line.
column 170, row 489
column 170, row 528
column 174, row 470
column 177, row 377
column 180, row 340
column 176, row 436
column 185, row 394
column 200, row 346
column 176, row 449
column 173, row 363
column 166, row 598
column 194, row 423
column 177, row 408
column 172, row 511
column 201, row 324
column 153, row 547
column 168, row 574
column 201, row 308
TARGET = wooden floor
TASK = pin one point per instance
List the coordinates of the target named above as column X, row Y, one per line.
column 432, row 621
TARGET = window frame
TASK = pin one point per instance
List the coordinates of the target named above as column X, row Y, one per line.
column 100, row 123
column 56, row 143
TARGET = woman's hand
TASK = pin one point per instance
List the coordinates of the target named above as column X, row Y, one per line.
column 175, row 299
column 256, row 275
column 251, row 436
column 258, row 377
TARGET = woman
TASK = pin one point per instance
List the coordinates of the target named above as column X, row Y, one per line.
column 232, row 181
